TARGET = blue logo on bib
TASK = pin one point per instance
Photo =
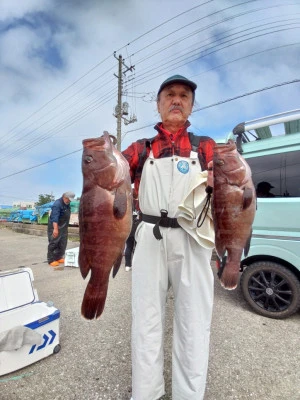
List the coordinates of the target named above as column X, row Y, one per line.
column 183, row 167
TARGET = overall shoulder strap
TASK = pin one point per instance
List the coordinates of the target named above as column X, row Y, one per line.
column 143, row 156
column 195, row 140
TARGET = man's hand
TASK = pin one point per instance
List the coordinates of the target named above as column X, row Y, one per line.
column 55, row 230
column 210, row 177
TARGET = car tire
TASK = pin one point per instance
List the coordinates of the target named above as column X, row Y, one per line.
column 271, row 289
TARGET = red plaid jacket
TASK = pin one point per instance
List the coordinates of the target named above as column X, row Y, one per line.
column 162, row 145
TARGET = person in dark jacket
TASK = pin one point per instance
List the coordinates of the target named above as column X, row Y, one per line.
column 58, row 229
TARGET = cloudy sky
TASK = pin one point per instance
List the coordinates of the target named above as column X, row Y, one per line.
column 58, row 83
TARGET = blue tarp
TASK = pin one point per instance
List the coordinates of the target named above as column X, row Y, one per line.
column 44, row 209
column 22, row 216
column 36, row 214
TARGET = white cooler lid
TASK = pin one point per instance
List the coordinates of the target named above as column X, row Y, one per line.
column 16, row 289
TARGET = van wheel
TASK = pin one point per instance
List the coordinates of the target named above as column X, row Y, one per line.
column 271, row 289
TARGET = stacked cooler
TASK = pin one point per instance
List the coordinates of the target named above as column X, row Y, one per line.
column 29, row 328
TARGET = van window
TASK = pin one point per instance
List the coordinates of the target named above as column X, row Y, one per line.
column 276, row 175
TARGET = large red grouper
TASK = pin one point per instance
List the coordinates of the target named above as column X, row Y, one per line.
column 233, row 210
column 105, row 217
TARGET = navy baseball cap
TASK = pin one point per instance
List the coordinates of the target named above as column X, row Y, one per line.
column 177, row 79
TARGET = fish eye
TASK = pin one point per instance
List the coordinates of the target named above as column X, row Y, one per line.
column 88, row 159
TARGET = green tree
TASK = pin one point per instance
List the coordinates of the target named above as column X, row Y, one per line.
column 44, row 198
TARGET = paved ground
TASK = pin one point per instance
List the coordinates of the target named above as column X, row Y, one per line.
column 251, row 357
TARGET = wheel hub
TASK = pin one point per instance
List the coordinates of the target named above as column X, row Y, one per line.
column 269, row 291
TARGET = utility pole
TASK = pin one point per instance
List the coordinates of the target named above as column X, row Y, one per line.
column 121, row 109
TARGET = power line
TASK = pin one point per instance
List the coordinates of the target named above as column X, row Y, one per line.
column 151, row 125
column 191, row 23
column 165, row 22
column 102, row 62
column 160, row 71
column 225, row 101
column 90, row 107
column 215, row 41
column 247, row 94
column 142, row 78
column 39, row 165
column 9, row 139
column 73, row 119
column 141, row 95
column 247, row 56
column 60, row 93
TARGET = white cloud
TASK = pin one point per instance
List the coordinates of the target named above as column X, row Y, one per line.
column 47, row 49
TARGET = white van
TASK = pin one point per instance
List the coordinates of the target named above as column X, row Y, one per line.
column 270, row 278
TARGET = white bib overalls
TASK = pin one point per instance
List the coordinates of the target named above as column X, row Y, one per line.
column 178, row 261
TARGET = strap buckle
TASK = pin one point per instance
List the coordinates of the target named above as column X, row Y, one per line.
column 156, row 231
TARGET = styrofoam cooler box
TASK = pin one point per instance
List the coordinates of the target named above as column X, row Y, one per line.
column 29, row 328
column 71, row 257
column 74, row 219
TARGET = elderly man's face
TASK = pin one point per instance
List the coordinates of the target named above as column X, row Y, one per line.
column 175, row 104
column 66, row 200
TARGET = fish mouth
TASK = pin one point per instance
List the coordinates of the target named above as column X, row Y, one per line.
column 100, row 143
column 230, row 145
column 97, row 144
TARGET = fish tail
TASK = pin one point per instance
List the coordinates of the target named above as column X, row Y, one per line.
column 229, row 275
column 93, row 301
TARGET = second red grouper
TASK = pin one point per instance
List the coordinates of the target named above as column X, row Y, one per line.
column 233, row 210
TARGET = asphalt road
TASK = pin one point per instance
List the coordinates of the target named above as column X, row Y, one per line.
column 251, row 357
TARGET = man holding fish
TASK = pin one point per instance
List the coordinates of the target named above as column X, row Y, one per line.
column 171, row 172
column 174, row 185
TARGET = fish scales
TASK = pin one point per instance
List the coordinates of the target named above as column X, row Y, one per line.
column 233, row 210
column 105, row 216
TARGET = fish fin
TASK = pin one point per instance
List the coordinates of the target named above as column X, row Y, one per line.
column 220, row 263
column 247, row 198
column 219, row 245
column 220, row 250
column 117, row 264
column 84, row 264
column 247, row 245
column 120, row 204
column 93, row 301
column 229, row 274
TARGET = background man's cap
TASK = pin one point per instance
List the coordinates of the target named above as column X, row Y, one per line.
column 177, row 79
column 265, row 185
column 69, row 195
